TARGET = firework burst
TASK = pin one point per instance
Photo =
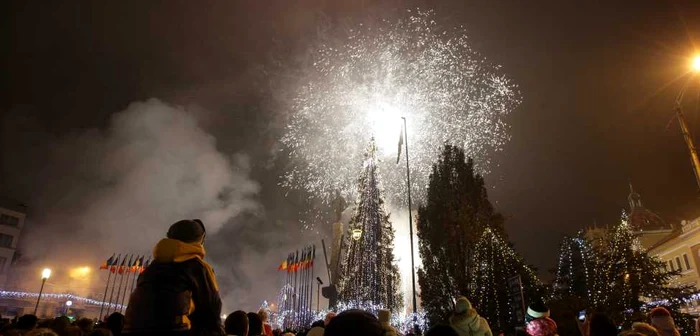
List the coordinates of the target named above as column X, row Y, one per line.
column 360, row 86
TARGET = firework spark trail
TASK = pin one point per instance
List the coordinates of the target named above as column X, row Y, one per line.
column 359, row 87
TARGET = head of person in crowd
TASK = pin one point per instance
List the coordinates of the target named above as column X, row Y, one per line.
column 115, row 323
column 255, row 324
column 600, row 324
column 661, row 319
column 441, row 330
column 535, row 310
column 317, row 329
column 60, row 324
column 41, row 332
column 86, row 325
column 644, row 329
column 466, row 321
column 329, row 317
column 237, row 323
column 27, row 322
column 354, row 322
column 541, row 326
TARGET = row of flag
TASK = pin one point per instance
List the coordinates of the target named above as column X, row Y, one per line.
column 132, row 264
column 299, row 261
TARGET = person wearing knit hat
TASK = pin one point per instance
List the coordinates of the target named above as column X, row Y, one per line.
column 178, row 291
column 384, row 317
column 543, row 326
column 467, row 322
column 661, row 319
column 645, row 329
column 536, row 310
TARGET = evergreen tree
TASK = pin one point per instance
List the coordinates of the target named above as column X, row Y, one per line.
column 496, row 262
column 456, row 212
column 578, row 272
column 370, row 277
column 630, row 274
column 619, row 273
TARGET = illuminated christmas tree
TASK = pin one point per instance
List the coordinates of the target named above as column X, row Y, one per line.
column 370, row 277
column 495, row 263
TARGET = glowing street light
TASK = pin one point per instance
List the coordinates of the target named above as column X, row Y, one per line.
column 696, row 63
column 45, row 275
column 694, row 159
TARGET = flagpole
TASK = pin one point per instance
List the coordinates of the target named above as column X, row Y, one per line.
column 295, row 296
column 121, row 280
column 104, row 297
column 410, row 223
column 311, row 278
column 126, row 287
column 114, row 283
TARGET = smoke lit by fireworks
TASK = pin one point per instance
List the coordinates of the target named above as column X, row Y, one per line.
column 361, row 86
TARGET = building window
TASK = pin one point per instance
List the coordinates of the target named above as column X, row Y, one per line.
column 678, row 263
column 5, row 240
column 670, row 264
column 9, row 220
column 687, row 262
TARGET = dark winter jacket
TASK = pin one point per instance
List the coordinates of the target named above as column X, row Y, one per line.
column 176, row 294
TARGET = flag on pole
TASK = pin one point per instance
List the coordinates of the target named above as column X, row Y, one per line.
column 124, row 265
column 108, row 263
column 398, row 156
column 283, row 265
column 145, row 265
column 136, row 265
column 113, row 266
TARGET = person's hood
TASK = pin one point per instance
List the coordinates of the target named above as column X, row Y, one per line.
column 172, row 250
column 315, row 331
column 665, row 325
column 469, row 323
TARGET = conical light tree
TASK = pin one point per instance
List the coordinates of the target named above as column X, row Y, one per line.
column 495, row 263
column 370, row 277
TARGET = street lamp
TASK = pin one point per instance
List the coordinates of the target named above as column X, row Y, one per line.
column 695, row 67
column 45, row 275
column 696, row 63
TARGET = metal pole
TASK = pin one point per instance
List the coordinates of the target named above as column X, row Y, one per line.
column 43, row 281
column 694, row 160
column 318, row 296
column 126, row 289
column 104, row 297
column 410, row 214
column 410, row 223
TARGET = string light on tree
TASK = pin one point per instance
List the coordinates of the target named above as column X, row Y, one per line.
column 370, row 275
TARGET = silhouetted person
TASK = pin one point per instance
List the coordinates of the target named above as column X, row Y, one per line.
column 86, row 325
column 354, row 322
column 26, row 323
column 255, row 324
column 115, row 323
column 441, row 330
column 177, row 293
column 601, row 325
column 236, row 324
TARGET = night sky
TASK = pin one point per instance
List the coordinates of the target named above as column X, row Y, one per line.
column 597, row 79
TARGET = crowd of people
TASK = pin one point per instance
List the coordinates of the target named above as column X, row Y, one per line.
column 30, row 325
column 178, row 295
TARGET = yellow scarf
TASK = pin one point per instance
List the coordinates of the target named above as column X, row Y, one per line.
column 172, row 250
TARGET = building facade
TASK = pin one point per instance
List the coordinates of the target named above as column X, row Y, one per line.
column 12, row 219
column 680, row 251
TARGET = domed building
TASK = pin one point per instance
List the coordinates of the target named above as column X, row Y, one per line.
column 650, row 227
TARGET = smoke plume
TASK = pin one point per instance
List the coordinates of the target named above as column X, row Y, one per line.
column 101, row 191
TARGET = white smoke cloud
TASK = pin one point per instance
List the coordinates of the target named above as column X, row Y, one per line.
column 103, row 191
